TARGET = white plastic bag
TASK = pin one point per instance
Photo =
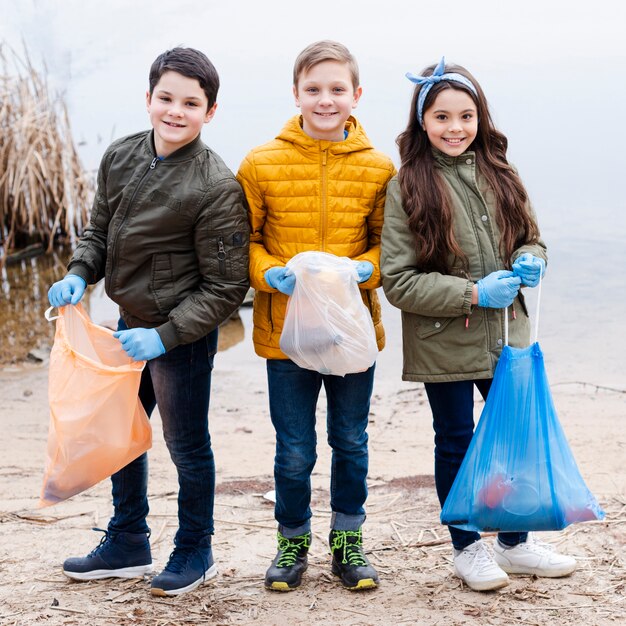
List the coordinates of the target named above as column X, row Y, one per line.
column 327, row 327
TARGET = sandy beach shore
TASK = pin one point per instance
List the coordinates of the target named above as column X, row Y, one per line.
column 402, row 533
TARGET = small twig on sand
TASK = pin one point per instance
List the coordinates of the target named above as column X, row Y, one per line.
column 586, row 384
column 248, row 525
column 569, row 607
column 60, row 608
column 400, row 537
column 340, row 608
column 160, row 533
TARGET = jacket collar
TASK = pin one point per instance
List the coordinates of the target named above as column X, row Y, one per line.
column 355, row 141
column 188, row 151
column 444, row 160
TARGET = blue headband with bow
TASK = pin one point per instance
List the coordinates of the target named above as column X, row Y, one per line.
column 437, row 76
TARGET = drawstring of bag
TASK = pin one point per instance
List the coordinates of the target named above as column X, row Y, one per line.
column 506, row 317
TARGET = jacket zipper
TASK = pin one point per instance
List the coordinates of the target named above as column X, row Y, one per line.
column 153, row 164
column 324, row 199
column 221, row 255
column 480, row 251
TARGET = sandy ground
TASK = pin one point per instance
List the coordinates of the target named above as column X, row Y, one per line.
column 402, row 533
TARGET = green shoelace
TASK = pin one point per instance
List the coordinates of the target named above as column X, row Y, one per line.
column 290, row 548
column 350, row 543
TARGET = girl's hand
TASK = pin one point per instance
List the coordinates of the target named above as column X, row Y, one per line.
column 498, row 289
column 529, row 268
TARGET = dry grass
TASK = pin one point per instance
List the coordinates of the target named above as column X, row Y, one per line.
column 44, row 191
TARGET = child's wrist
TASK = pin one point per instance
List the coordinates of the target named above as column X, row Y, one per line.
column 475, row 295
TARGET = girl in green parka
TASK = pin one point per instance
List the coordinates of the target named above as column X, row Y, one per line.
column 459, row 240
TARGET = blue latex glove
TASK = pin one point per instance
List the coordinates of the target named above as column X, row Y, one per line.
column 498, row 289
column 69, row 290
column 141, row 344
column 529, row 268
column 281, row 278
column 364, row 269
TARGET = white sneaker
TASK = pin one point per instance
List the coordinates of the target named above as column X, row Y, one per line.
column 533, row 557
column 476, row 567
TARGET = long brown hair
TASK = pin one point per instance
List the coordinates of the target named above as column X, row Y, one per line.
column 424, row 195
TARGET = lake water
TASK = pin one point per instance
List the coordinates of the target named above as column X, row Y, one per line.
column 580, row 327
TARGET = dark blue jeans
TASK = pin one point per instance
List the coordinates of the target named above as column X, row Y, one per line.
column 293, row 394
column 179, row 382
column 452, row 405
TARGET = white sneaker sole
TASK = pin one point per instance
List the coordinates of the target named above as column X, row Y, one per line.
column 485, row 585
column 537, row 571
column 97, row 574
column 208, row 576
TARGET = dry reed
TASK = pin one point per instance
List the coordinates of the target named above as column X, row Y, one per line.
column 44, row 191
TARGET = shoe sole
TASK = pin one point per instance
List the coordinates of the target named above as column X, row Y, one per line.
column 364, row 583
column 126, row 572
column 280, row 585
column 543, row 573
column 209, row 575
column 489, row 585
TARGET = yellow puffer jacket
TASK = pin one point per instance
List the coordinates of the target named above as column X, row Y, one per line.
column 306, row 194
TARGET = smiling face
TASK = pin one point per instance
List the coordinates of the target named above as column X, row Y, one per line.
column 451, row 122
column 326, row 97
column 178, row 108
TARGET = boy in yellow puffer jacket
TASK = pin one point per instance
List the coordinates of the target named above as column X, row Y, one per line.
column 320, row 185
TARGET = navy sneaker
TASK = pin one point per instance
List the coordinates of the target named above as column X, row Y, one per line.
column 290, row 562
column 118, row 555
column 349, row 562
column 187, row 568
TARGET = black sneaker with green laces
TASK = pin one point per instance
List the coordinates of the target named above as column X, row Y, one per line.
column 349, row 562
column 285, row 572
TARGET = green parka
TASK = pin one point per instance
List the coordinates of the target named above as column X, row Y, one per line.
column 445, row 338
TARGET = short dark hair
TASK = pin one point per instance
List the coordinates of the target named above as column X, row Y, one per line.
column 190, row 63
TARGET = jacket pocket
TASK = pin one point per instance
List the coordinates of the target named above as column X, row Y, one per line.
column 230, row 252
column 428, row 326
column 162, row 283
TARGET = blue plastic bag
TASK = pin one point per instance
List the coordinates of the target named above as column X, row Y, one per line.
column 519, row 473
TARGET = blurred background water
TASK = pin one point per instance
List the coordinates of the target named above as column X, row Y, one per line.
column 554, row 74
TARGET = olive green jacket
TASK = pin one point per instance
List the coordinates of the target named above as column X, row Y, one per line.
column 444, row 337
column 169, row 236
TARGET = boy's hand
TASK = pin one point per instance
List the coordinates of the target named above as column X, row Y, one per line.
column 280, row 278
column 69, row 290
column 498, row 289
column 529, row 268
column 364, row 269
column 141, row 344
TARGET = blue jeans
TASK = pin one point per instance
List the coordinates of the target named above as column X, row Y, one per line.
column 452, row 405
column 293, row 394
column 179, row 382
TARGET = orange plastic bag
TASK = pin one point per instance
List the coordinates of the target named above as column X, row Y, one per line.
column 97, row 422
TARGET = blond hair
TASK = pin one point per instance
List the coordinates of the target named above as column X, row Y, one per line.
column 325, row 50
